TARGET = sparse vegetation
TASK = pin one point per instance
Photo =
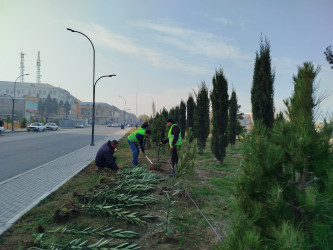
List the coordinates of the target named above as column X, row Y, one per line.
column 111, row 210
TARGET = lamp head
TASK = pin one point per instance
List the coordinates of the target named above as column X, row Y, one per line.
column 70, row 30
column 111, row 75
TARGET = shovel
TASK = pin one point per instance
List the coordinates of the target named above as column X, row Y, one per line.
column 151, row 163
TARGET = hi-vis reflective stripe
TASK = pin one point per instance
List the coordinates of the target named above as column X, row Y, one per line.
column 132, row 138
column 178, row 141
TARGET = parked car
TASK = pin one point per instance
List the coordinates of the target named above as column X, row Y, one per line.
column 51, row 126
column 112, row 125
column 79, row 125
column 36, row 126
column 2, row 129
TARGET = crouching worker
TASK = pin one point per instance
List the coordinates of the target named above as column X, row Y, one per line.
column 104, row 157
column 135, row 140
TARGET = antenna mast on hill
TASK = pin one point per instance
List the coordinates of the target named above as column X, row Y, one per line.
column 38, row 68
column 22, row 66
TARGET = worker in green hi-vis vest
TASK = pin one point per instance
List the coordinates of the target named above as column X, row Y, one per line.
column 135, row 140
column 175, row 141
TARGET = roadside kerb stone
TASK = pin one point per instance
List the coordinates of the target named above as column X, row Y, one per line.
column 21, row 193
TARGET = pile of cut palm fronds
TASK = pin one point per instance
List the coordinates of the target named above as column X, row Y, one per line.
column 131, row 188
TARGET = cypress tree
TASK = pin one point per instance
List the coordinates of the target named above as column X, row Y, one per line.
column 233, row 123
column 67, row 108
column 172, row 113
column 262, row 92
column 190, row 108
column 329, row 55
column 177, row 114
column 164, row 113
column 190, row 111
column 182, row 118
column 219, row 98
column 201, row 124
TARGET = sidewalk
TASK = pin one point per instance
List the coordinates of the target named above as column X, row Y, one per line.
column 16, row 130
column 21, row 193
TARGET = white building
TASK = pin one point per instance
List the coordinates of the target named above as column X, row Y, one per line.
column 39, row 90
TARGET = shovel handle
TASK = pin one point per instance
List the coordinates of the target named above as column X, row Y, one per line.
column 149, row 160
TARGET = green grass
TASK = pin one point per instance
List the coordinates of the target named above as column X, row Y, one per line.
column 212, row 188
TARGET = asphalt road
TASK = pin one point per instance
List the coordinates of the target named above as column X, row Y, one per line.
column 23, row 151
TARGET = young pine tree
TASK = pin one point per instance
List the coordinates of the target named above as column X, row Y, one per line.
column 220, row 99
column 262, row 92
column 157, row 127
column 201, row 124
column 285, row 190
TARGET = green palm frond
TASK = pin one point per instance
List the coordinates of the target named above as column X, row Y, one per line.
column 119, row 199
column 134, row 188
column 101, row 210
column 101, row 244
column 80, row 244
column 106, row 232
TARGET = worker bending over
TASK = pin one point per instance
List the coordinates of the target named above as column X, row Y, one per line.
column 135, row 140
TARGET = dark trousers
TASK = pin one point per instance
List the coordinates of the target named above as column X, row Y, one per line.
column 174, row 157
column 106, row 166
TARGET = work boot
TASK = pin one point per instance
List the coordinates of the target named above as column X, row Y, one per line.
column 171, row 173
column 99, row 170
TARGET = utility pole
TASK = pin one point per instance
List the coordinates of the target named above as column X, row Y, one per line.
column 38, row 68
column 22, row 66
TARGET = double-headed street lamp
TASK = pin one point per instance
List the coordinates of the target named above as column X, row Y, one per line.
column 94, row 84
column 14, row 99
column 93, row 111
column 124, row 106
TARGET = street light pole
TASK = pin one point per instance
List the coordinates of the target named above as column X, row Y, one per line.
column 14, row 99
column 93, row 111
column 93, row 118
column 124, row 106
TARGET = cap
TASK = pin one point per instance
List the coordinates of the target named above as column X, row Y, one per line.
column 171, row 120
column 145, row 125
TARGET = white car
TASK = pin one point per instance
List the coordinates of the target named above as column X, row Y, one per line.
column 51, row 126
column 36, row 126
column 2, row 129
column 79, row 125
column 112, row 125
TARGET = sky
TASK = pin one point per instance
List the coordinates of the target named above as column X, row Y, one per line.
column 162, row 50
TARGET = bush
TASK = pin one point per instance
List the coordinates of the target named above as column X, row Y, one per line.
column 23, row 123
